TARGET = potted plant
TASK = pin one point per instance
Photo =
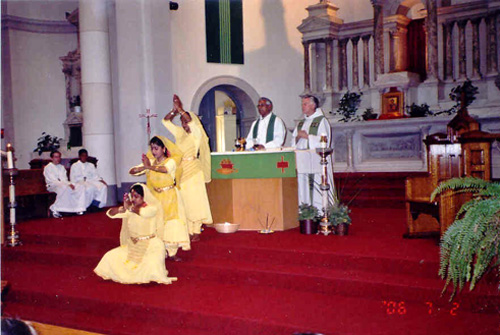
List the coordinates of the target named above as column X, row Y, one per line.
column 47, row 143
column 338, row 215
column 415, row 110
column 471, row 245
column 348, row 107
column 307, row 219
column 463, row 95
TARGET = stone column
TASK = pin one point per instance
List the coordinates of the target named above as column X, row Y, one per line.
column 432, row 40
column 355, row 66
column 462, row 70
column 342, row 64
column 329, row 64
column 366, row 60
column 307, row 70
column 378, row 36
column 476, row 60
column 98, row 132
column 447, row 50
column 491, row 57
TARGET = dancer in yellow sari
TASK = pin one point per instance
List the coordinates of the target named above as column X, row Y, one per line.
column 160, row 166
column 192, row 140
column 140, row 258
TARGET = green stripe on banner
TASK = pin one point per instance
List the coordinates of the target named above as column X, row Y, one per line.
column 224, row 31
column 254, row 166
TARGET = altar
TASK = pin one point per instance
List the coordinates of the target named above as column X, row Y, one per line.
column 254, row 187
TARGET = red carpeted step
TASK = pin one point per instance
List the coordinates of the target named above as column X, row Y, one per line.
column 344, row 282
column 235, row 309
column 231, row 248
column 227, row 268
column 103, row 324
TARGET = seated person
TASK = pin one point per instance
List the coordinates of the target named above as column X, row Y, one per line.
column 85, row 173
column 268, row 131
column 70, row 198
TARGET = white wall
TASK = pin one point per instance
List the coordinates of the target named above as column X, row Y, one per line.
column 53, row 10
column 272, row 46
column 38, row 88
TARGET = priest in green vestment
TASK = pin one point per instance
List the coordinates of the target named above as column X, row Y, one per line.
column 307, row 136
column 268, row 131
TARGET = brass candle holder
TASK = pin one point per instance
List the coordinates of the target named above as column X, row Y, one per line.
column 325, row 227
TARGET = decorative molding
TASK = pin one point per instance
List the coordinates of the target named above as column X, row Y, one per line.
column 37, row 26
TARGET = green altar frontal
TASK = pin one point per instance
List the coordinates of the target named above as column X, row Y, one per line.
column 253, row 165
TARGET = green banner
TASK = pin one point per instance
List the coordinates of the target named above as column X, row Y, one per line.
column 254, row 165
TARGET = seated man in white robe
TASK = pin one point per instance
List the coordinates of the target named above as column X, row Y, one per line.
column 85, row 174
column 307, row 135
column 268, row 131
column 70, row 198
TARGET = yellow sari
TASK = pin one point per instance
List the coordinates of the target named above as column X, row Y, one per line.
column 195, row 166
column 140, row 258
column 163, row 187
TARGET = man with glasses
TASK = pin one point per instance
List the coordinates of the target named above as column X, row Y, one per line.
column 268, row 131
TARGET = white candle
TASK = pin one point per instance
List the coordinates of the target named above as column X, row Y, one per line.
column 10, row 157
column 12, row 193
column 12, row 215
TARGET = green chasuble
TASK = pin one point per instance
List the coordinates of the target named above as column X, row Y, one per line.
column 313, row 128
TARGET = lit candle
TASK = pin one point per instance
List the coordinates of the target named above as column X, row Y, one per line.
column 322, row 141
column 10, row 156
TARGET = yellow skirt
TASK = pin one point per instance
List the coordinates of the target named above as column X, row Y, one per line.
column 115, row 266
column 175, row 230
column 194, row 196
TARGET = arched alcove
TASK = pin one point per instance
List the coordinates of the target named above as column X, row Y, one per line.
column 243, row 95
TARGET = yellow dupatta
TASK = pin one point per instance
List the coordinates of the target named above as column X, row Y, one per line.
column 204, row 151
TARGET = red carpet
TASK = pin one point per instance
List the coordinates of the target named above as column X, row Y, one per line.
column 370, row 282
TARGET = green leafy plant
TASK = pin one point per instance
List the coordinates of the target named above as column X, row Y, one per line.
column 471, row 245
column 466, row 92
column 338, row 214
column 47, row 143
column 348, row 106
column 418, row 110
column 307, row 212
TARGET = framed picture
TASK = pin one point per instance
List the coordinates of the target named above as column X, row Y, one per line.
column 392, row 105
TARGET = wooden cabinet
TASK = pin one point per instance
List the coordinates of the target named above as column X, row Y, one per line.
column 463, row 151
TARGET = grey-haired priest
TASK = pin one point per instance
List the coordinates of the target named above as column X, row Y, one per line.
column 307, row 135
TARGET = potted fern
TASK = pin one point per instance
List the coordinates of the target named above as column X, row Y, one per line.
column 308, row 219
column 471, row 245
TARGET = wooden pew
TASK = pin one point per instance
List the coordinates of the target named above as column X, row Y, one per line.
column 31, row 192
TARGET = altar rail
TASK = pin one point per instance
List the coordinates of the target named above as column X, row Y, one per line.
column 394, row 145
